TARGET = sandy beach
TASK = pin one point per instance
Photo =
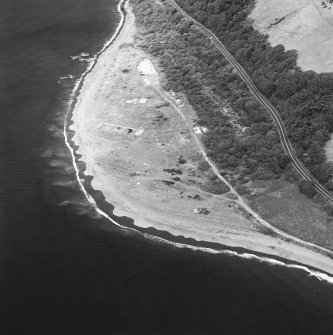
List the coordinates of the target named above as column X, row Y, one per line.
column 138, row 142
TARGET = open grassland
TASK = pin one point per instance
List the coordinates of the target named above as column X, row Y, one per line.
column 142, row 146
column 303, row 25
column 225, row 110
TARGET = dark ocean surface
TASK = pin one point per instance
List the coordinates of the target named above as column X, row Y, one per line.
column 63, row 270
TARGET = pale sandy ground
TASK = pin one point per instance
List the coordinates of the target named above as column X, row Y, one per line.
column 123, row 92
column 307, row 27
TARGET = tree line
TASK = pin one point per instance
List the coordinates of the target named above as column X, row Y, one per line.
column 194, row 67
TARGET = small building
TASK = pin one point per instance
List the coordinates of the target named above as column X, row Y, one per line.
column 203, row 211
column 200, row 130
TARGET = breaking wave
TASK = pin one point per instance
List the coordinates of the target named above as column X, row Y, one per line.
column 73, row 98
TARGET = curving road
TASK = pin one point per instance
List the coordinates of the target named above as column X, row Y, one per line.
column 262, row 100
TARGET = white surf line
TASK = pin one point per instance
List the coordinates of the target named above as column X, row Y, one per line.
column 79, row 83
column 319, row 275
column 240, row 199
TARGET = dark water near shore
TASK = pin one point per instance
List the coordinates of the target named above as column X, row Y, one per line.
column 63, row 271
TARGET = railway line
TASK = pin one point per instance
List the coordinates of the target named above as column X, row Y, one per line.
column 287, row 146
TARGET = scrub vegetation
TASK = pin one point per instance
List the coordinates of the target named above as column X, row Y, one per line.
column 194, row 67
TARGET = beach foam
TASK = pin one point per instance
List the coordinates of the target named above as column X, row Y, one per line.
column 147, row 70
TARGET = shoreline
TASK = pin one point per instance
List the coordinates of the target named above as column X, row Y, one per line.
column 69, row 134
column 288, row 251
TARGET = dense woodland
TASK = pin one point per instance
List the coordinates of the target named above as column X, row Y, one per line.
column 196, row 68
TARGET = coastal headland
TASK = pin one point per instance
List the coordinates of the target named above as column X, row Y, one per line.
column 141, row 145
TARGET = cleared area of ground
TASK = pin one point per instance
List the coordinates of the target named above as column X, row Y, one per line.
column 141, row 152
column 329, row 150
column 303, row 25
column 143, row 156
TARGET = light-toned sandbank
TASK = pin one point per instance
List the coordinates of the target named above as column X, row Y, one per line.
column 143, row 156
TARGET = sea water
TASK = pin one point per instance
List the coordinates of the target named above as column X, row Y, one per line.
column 64, row 269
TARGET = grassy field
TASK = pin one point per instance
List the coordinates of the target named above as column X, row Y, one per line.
column 282, row 205
column 303, row 25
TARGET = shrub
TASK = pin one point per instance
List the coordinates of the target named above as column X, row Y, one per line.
column 307, row 188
